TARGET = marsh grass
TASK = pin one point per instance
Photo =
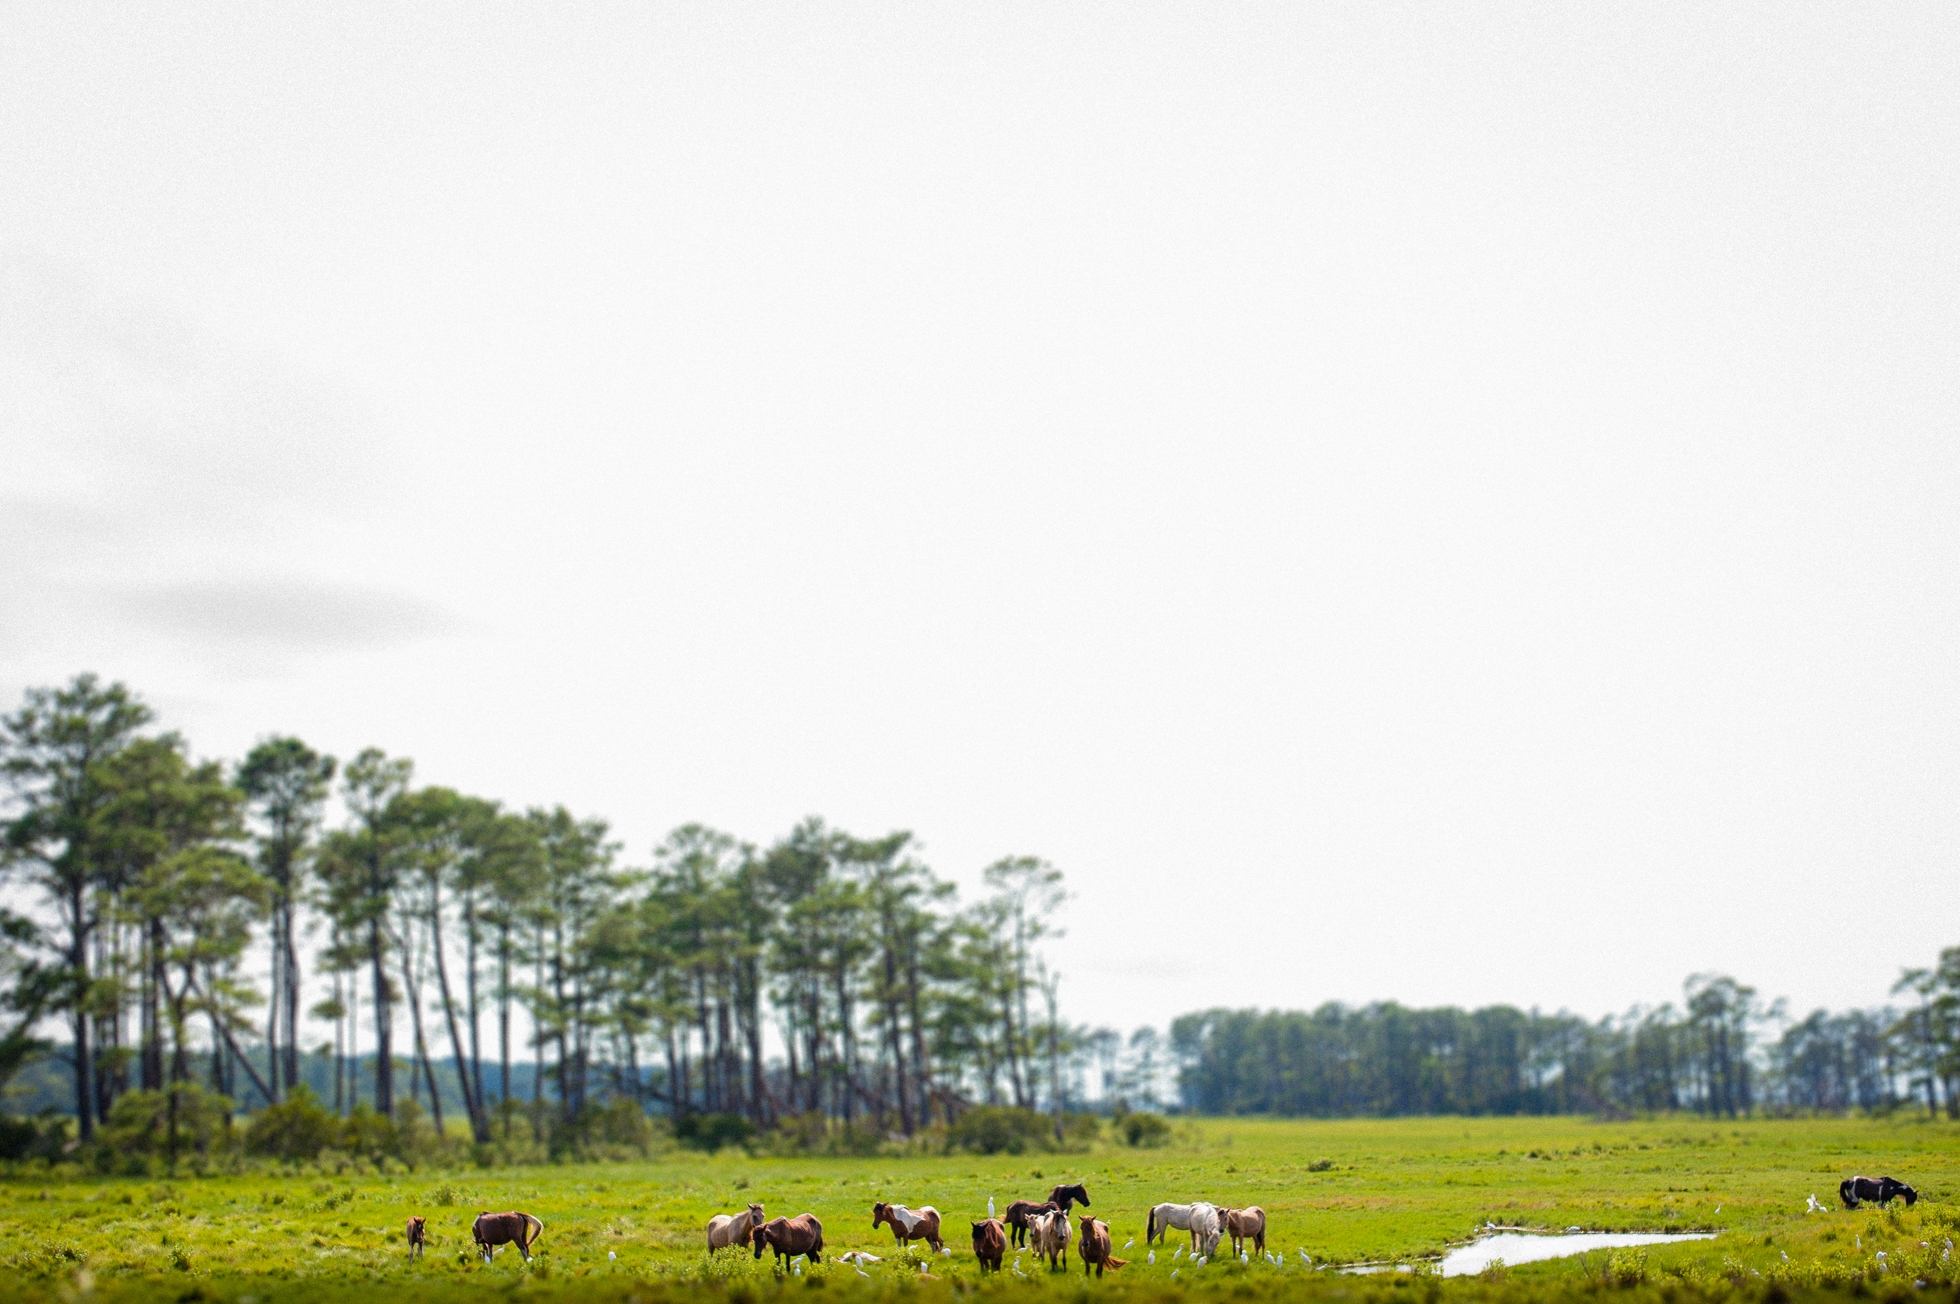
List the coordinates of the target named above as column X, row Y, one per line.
column 1347, row 1192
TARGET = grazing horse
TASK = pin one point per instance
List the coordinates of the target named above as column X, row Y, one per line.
column 1241, row 1224
column 1095, row 1247
column 789, row 1237
column 908, row 1225
column 1065, row 1197
column 493, row 1229
column 1048, row 1237
column 989, row 1244
column 417, row 1234
column 1854, row 1189
column 1163, row 1217
column 1020, row 1213
column 726, row 1229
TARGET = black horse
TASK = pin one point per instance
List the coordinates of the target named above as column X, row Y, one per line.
column 1852, row 1190
column 1062, row 1197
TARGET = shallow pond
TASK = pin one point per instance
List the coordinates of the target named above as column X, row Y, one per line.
column 1523, row 1247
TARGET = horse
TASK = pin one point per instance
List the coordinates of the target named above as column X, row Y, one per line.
column 1205, row 1229
column 1048, row 1237
column 789, row 1237
column 726, row 1229
column 1163, row 1217
column 1095, row 1247
column 908, row 1225
column 989, row 1244
column 417, row 1228
column 493, row 1229
column 1852, row 1190
column 1065, row 1197
column 1018, row 1215
column 1243, row 1223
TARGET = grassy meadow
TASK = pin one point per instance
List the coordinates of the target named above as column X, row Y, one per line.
column 1348, row 1192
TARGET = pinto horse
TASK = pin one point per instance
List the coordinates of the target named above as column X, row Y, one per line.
column 726, row 1229
column 1095, row 1247
column 1852, row 1190
column 908, row 1225
column 989, row 1244
column 1020, row 1213
column 789, row 1237
column 417, row 1233
column 493, row 1229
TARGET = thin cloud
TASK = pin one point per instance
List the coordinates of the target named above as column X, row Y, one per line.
column 289, row 615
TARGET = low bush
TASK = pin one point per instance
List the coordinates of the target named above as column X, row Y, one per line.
column 711, row 1132
column 179, row 1120
column 1001, row 1129
column 297, row 1128
column 1143, row 1131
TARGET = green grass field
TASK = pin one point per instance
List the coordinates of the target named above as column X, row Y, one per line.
column 1349, row 1192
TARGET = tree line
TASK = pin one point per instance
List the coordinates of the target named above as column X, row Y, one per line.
column 1721, row 1052
column 825, row 981
column 892, row 1006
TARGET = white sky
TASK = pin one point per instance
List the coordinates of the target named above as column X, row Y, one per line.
column 1452, row 503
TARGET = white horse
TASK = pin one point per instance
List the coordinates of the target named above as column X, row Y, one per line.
column 1200, row 1219
column 1048, row 1237
column 726, row 1229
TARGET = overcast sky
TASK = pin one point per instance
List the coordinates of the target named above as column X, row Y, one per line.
column 1451, row 503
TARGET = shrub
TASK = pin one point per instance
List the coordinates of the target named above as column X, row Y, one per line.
column 368, row 1134
column 139, row 1122
column 33, row 1138
column 1144, row 1131
column 296, row 1128
column 711, row 1132
column 1001, row 1129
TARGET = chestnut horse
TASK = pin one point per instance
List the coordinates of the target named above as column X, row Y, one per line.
column 989, row 1244
column 417, row 1233
column 1243, row 1223
column 789, row 1237
column 493, row 1229
column 1095, row 1247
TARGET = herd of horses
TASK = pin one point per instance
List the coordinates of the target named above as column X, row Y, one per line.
column 1038, row 1225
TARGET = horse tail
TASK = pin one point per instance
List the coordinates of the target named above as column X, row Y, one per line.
column 1114, row 1264
column 1150, row 1226
column 537, row 1226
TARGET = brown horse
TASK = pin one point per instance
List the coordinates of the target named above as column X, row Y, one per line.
column 1095, row 1247
column 417, row 1229
column 1018, row 1215
column 493, row 1229
column 908, row 1225
column 726, row 1229
column 789, row 1237
column 1065, row 1197
column 989, row 1243
column 1243, row 1223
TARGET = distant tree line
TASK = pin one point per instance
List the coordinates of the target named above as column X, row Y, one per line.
column 1721, row 1052
column 505, row 970
column 894, row 1006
